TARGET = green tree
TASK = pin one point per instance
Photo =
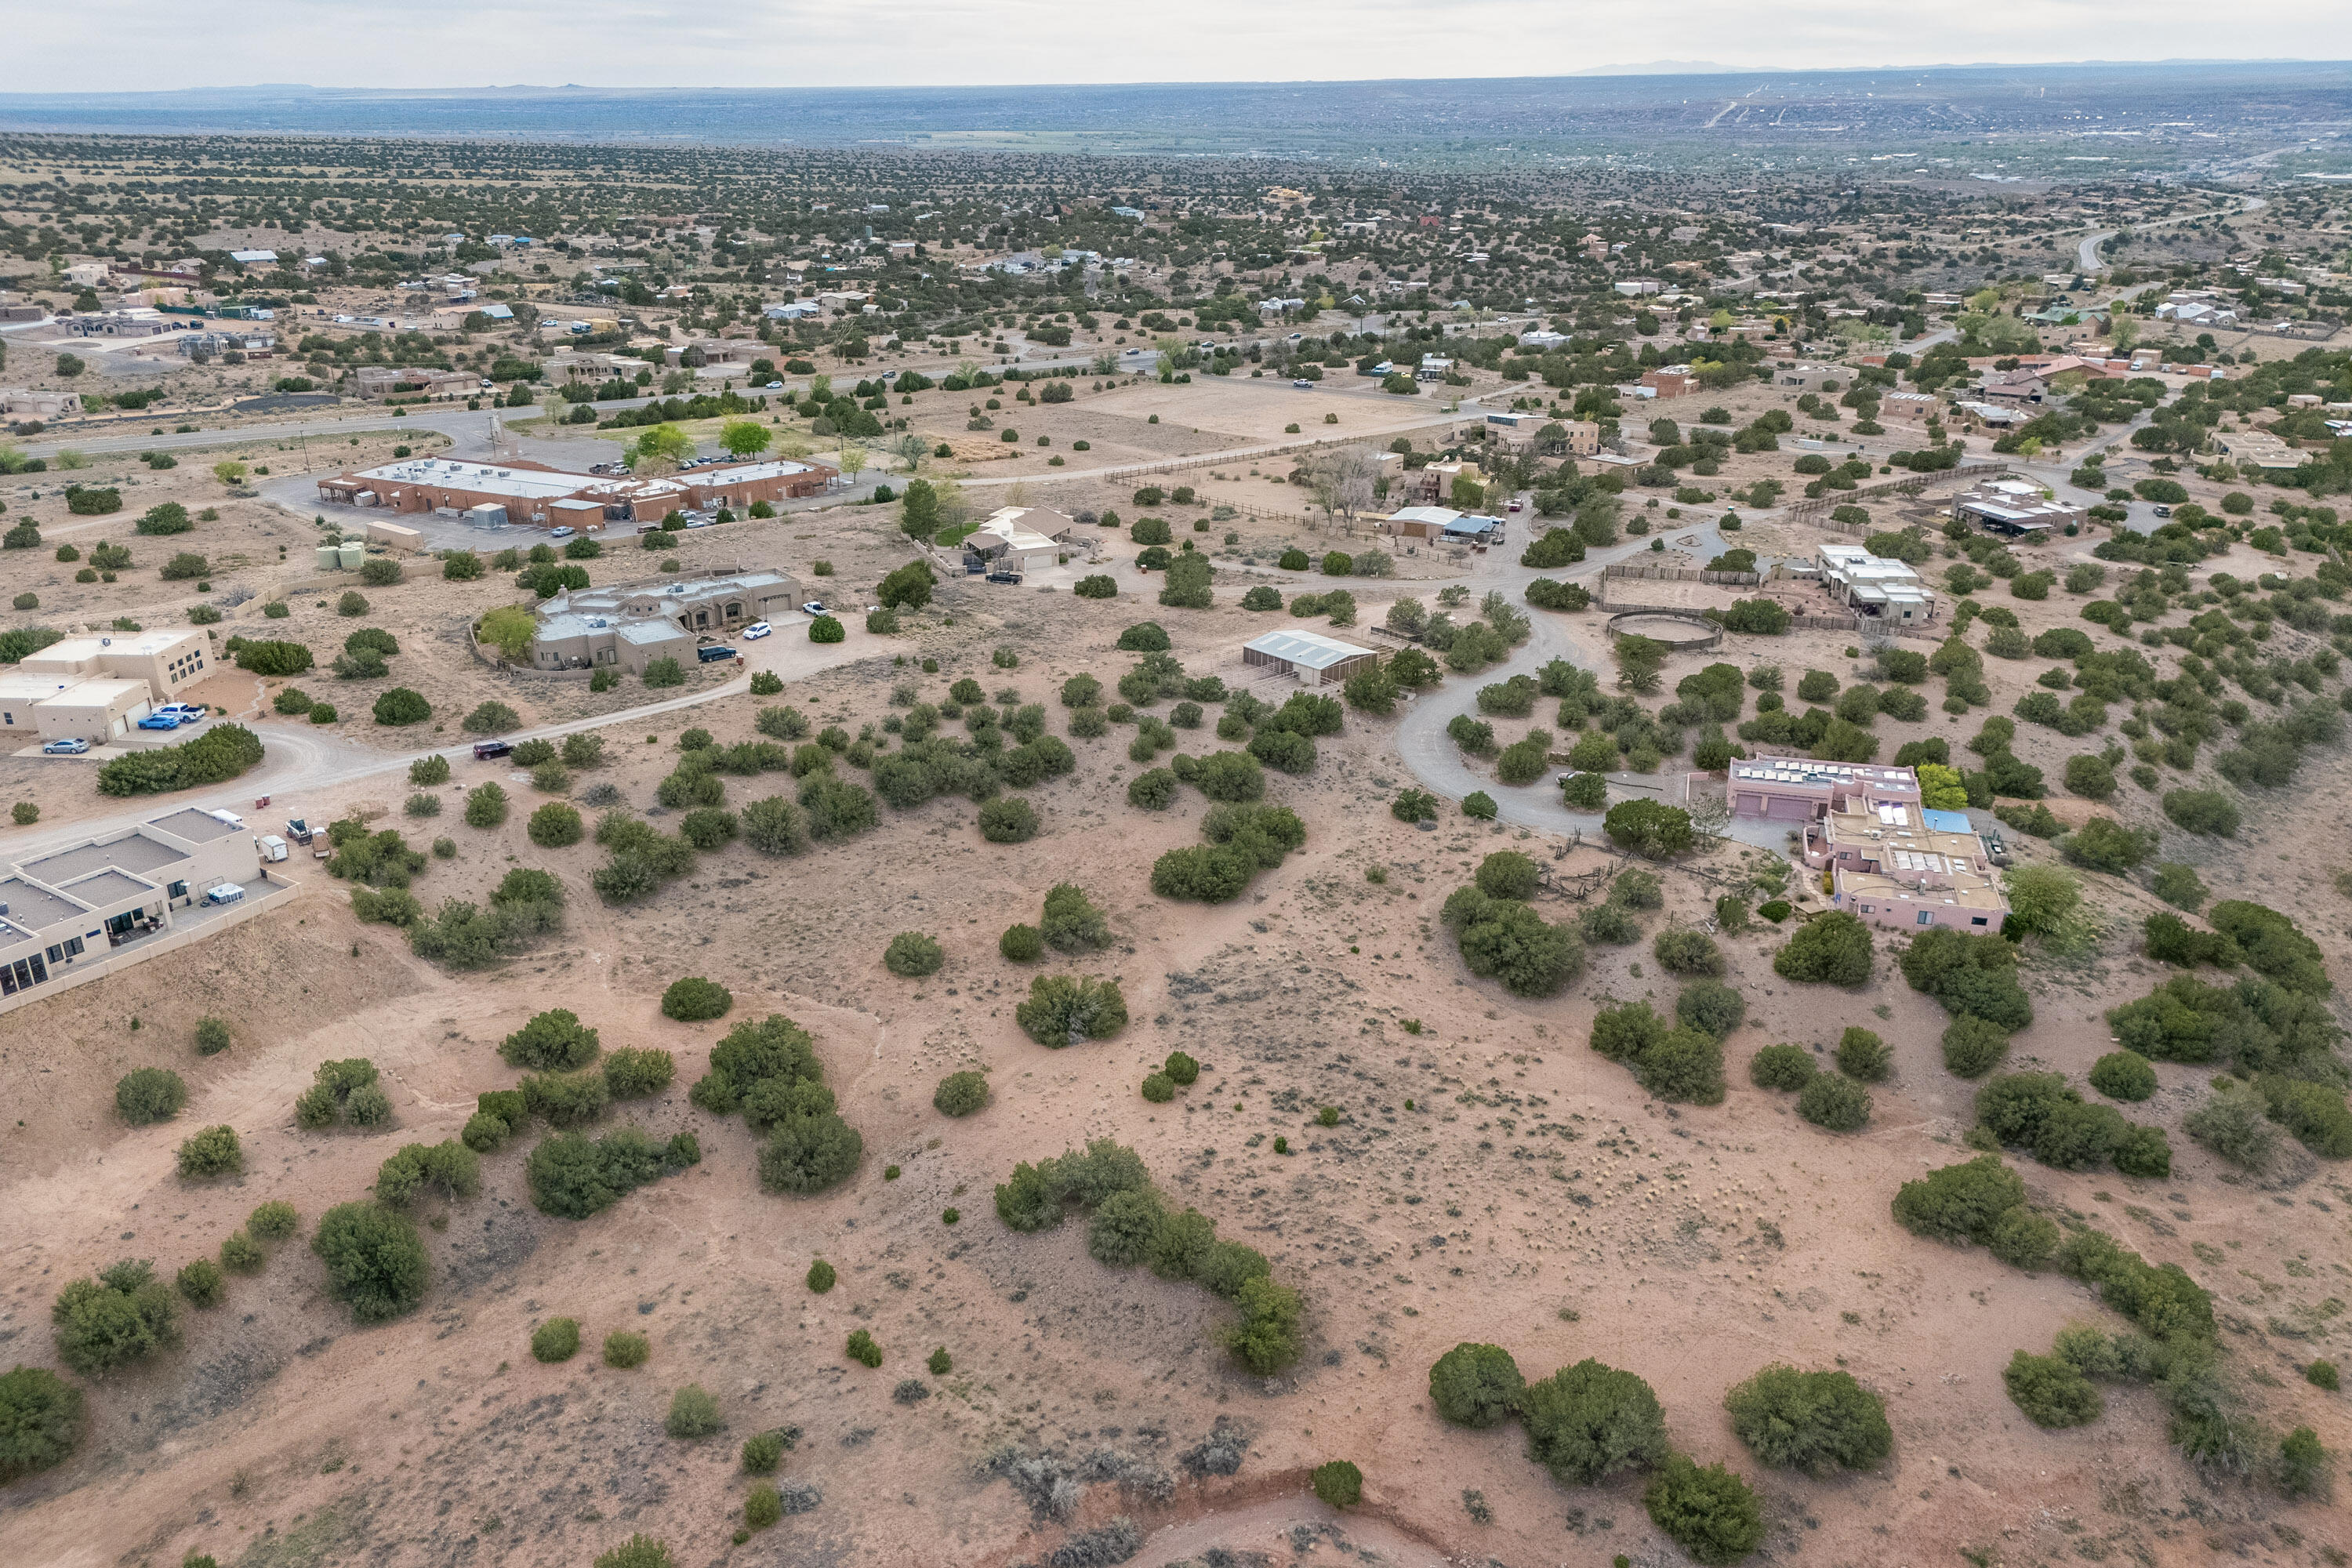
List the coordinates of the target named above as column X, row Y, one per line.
column 746, row 437
column 1812, row 1421
column 40, row 1422
column 1589, row 1421
column 375, row 1260
column 1475, row 1385
column 1709, row 1512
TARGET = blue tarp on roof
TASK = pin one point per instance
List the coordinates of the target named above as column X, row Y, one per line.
column 1948, row 821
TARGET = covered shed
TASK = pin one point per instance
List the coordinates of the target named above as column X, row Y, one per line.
column 1314, row 658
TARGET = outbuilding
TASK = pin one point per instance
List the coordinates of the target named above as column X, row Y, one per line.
column 1314, row 658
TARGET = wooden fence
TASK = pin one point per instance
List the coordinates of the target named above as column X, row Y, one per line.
column 1680, row 575
column 1814, row 509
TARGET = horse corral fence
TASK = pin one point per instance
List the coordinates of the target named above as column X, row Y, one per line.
column 1684, row 630
column 1681, row 574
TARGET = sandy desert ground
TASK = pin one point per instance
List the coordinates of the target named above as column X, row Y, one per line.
column 1488, row 1177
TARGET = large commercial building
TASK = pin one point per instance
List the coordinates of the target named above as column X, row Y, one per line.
column 533, row 494
column 628, row 626
column 96, row 688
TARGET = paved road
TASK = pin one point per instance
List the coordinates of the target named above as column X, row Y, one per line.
column 305, row 771
column 1437, row 763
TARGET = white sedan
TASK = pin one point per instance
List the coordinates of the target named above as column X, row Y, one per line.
column 757, row 630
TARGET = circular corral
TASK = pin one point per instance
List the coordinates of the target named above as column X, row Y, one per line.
column 1677, row 631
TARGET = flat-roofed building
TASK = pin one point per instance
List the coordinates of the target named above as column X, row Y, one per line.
column 1017, row 539
column 1875, row 585
column 1310, row 657
column 2015, row 508
column 533, row 493
column 101, row 709
column 78, row 904
column 166, row 659
column 628, row 626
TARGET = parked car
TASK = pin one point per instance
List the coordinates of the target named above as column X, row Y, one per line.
column 73, row 746
column 1515, row 505
column 775, row 386
column 2164, row 511
column 813, row 607
column 484, row 749
column 757, row 630
column 186, row 712
column 561, row 531
column 1302, row 385
column 160, row 721
column 713, row 654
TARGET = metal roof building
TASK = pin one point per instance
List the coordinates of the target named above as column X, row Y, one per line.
column 1314, row 658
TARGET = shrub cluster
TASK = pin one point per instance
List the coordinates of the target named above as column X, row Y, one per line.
column 1674, row 1062
column 1243, row 840
column 1502, row 937
column 769, row 1071
column 343, row 1093
column 2040, row 1112
column 1132, row 1223
column 572, row 1176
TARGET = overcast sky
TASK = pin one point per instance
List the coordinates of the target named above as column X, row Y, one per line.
column 98, row 45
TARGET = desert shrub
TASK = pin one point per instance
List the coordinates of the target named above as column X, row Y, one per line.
column 273, row 1221
column 572, row 1177
column 1710, row 1513
column 556, row 826
column 625, row 1349
column 1711, row 1006
column 1832, row 949
column 40, row 1422
column 2023, row 1239
column 552, row 1041
column 913, row 956
column 861, row 1349
column 1972, row 1046
column 1783, row 1067
column 1834, row 1102
column 961, row 1093
column 1683, row 950
column 2232, row 1124
column 147, row 1095
column 240, row 1254
column 2050, row 1391
column 123, row 1315
column 1502, row 939
column 633, row 1074
column 1022, row 944
column 693, row 1414
column 1008, row 820
column 763, row 1451
column 1590, row 1421
column 2273, row 946
column 376, row 1261
column 2315, row 1113
column 1071, row 922
column 1338, row 1484
column 1818, row 1422
column 1862, row 1056
column 807, row 1155
column 566, row 1099
column 200, row 1283
column 558, row 1339
column 1063, row 1010
column 694, row 999
column 214, row 1151
column 820, row 1276
column 1960, row 1202
column 212, row 1036
column 1475, row 1385
column 2124, row 1075
column 1968, row 975
column 449, row 1165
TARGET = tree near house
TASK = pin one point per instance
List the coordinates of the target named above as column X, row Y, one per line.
column 745, row 438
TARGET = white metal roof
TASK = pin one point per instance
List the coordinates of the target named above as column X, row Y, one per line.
column 1308, row 650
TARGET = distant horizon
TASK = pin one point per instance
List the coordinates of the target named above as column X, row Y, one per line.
column 1628, row 68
